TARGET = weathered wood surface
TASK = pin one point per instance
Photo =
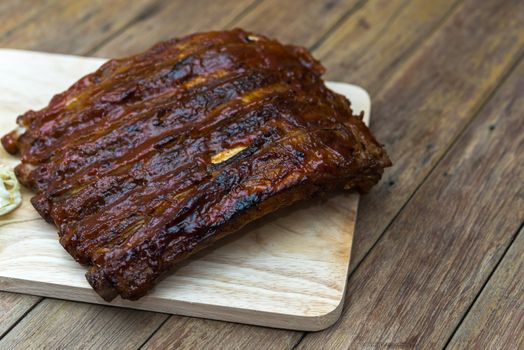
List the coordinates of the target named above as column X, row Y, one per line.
column 394, row 49
column 496, row 320
column 16, row 14
column 74, row 27
column 13, row 307
column 431, row 97
column 169, row 19
column 379, row 37
column 300, row 22
column 112, row 328
column 414, row 287
column 191, row 333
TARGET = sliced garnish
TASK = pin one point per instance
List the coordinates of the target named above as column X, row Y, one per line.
column 10, row 196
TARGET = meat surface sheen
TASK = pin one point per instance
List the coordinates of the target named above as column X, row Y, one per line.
column 155, row 156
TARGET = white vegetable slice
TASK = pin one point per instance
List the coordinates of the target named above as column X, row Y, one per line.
column 10, row 196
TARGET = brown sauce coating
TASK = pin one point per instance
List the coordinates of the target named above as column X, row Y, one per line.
column 154, row 156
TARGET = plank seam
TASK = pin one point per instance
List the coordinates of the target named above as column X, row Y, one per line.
column 21, row 318
column 148, row 11
column 249, row 8
column 358, row 5
column 154, row 332
column 519, row 231
column 299, row 340
column 418, row 43
column 391, row 19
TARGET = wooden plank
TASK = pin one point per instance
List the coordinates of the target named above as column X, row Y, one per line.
column 13, row 307
column 75, row 26
column 377, row 39
column 58, row 324
column 414, row 287
column 171, row 19
column 295, row 21
column 496, row 320
column 16, row 13
column 428, row 100
column 190, row 333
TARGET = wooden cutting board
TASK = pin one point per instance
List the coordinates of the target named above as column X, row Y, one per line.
column 287, row 270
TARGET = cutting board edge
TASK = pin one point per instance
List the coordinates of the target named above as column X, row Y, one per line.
column 182, row 308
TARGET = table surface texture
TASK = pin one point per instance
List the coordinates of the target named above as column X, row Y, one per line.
column 437, row 258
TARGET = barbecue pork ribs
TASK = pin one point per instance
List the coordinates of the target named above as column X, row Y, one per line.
column 155, row 156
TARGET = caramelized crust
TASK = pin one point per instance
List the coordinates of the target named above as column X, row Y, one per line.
column 153, row 157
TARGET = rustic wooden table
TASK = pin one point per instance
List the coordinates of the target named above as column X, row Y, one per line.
column 438, row 254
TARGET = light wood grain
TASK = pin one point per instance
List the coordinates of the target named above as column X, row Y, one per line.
column 496, row 320
column 191, row 333
column 288, row 270
column 112, row 328
column 414, row 287
column 173, row 19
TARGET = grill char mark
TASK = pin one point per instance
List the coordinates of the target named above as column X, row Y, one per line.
column 145, row 129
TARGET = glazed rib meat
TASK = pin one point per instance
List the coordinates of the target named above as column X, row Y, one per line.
column 155, row 156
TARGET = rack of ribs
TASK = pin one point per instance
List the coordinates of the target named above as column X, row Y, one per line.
column 155, row 156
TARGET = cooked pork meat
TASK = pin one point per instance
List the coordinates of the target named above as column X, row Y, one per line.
column 155, row 156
